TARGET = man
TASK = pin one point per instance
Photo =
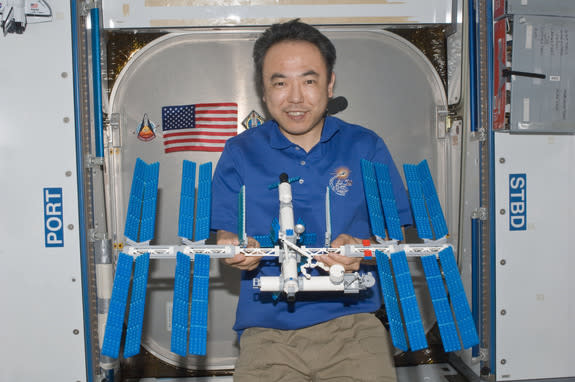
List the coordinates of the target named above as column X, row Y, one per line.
column 320, row 336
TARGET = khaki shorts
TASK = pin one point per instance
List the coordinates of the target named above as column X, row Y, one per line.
column 345, row 349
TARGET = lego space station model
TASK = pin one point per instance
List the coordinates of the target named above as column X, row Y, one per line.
column 286, row 242
column 16, row 14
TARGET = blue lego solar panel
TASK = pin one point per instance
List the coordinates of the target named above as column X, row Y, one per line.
column 264, row 240
column 307, row 239
column 242, row 217
column 137, row 305
column 390, row 300
column 181, row 305
column 417, row 202
column 408, row 301
column 372, row 198
column 202, row 230
column 199, row 315
column 432, row 201
column 117, row 309
column 133, row 214
column 467, row 329
column 187, row 200
column 275, row 229
column 445, row 322
column 388, row 201
column 149, row 202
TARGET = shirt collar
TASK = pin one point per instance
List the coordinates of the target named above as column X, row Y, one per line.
column 330, row 128
column 279, row 141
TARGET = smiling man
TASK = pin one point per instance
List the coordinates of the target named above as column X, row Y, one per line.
column 297, row 87
column 320, row 336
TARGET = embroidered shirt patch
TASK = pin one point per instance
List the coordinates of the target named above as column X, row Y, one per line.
column 340, row 182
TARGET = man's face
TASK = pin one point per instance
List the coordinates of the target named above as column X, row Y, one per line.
column 296, row 89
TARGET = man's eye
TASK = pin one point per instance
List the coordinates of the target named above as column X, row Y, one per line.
column 279, row 84
column 310, row 82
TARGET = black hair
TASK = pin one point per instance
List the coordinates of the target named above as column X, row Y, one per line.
column 293, row 30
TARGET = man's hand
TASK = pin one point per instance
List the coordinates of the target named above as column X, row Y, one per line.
column 351, row 264
column 240, row 261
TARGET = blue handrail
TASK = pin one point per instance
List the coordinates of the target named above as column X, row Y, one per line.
column 97, row 82
column 84, row 260
column 475, row 274
column 473, row 96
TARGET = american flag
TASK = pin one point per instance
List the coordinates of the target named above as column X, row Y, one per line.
column 199, row 127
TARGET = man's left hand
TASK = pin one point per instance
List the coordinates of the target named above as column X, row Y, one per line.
column 351, row 264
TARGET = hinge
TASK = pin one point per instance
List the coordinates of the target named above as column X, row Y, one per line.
column 482, row 356
column 113, row 129
column 480, row 213
column 94, row 235
column 441, row 122
column 454, row 122
column 93, row 161
column 114, row 120
column 88, row 5
column 482, row 134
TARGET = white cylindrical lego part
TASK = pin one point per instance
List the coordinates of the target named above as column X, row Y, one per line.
column 290, row 274
column 285, row 192
column 270, row 284
column 315, row 284
column 286, row 207
column 104, row 280
column 320, row 284
column 105, row 284
column 286, row 218
column 102, row 319
column 336, row 273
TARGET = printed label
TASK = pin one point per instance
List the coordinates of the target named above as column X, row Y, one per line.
column 53, row 217
column 517, row 202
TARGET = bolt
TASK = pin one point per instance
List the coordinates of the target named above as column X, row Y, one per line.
column 501, row 160
column 68, row 173
column 503, row 361
column 503, row 262
column 76, row 332
column 503, row 312
column 502, row 211
column 64, row 74
column 66, row 119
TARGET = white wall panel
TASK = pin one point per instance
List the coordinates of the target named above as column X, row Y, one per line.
column 41, row 324
column 186, row 13
column 535, row 309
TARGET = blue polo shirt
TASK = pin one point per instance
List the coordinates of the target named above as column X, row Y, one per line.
column 256, row 158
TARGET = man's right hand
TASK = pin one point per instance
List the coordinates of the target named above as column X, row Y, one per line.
column 240, row 261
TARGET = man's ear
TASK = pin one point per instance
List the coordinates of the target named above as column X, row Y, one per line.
column 330, row 85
